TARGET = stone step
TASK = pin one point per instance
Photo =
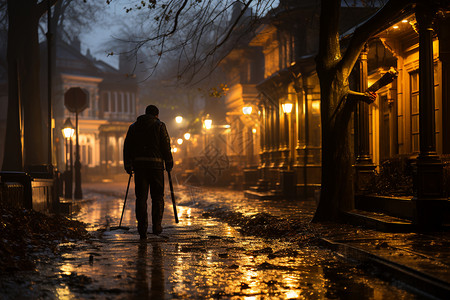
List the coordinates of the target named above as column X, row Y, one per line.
column 378, row 221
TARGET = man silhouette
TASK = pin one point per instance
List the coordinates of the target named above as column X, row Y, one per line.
column 146, row 151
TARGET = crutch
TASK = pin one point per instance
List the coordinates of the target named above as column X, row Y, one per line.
column 173, row 198
column 123, row 209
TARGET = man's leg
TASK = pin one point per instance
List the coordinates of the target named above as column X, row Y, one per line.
column 157, row 194
column 141, row 189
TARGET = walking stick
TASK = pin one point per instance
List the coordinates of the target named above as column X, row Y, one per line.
column 123, row 209
column 173, row 198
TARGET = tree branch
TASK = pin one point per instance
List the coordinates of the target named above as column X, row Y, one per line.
column 385, row 15
column 42, row 7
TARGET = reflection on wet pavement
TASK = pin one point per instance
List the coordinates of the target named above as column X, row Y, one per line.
column 199, row 258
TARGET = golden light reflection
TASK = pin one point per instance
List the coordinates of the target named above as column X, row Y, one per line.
column 289, row 280
column 66, row 269
column 64, row 293
column 292, row 295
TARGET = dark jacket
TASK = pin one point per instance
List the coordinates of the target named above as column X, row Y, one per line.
column 147, row 144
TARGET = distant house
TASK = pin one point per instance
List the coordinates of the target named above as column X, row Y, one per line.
column 112, row 101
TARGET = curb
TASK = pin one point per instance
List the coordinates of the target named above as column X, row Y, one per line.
column 418, row 281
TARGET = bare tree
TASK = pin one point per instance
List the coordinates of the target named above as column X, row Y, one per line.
column 191, row 33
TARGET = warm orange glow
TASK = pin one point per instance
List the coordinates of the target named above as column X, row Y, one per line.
column 247, row 110
column 315, row 105
column 287, row 107
column 187, row 136
column 178, row 119
column 208, row 123
column 180, row 141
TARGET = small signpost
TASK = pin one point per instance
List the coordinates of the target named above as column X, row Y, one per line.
column 76, row 100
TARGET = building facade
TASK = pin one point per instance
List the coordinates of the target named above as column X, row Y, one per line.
column 112, row 101
column 408, row 124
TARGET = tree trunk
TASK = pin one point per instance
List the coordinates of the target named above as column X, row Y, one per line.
column 24, row 87
column 337, row 193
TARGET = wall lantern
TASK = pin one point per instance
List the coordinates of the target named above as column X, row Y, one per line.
column 287, row 107
column 178, row 119
column 180, row 141
column 187, row 136
column 68, row 130
column 247, row 110
column 315, row 105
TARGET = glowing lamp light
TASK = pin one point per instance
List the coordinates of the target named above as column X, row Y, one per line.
column 247, row 110
column 315, row 105
column 395, row 26
column 174, row 149
column 187, row 136
column 68, row 130
column 178, row 119
column 208, row 123
column 180, row 141
column 287, row 107
column 254, row 130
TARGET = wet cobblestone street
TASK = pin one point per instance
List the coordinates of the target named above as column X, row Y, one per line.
column 199, row 258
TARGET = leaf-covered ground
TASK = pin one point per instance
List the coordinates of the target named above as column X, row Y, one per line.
column 27, row 236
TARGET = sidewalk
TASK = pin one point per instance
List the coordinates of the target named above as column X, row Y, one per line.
column 422, row 260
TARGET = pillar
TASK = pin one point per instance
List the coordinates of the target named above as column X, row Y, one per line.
column 428, row 184
column 364, row 167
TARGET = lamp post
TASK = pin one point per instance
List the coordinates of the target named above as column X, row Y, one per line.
column 287, row 182
column 287, row 109
column 207, row 124
column 68, row 131
column 187, row 137
column 78, row 194
column 247, row 110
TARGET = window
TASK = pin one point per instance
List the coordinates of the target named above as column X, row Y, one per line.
column 114, row 102
column 105, row 102
column 414, row 84
column 127, row 103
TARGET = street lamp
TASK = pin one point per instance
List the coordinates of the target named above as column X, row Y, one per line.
column 187, row 136
column 287, row 107
column 247, row 110
column 208, row 123
column 179, row 141
column 178, row 119
column 68, row 131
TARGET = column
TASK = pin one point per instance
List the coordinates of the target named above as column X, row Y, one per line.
column 364, row 167
column 444, row 57
column 428, row 185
